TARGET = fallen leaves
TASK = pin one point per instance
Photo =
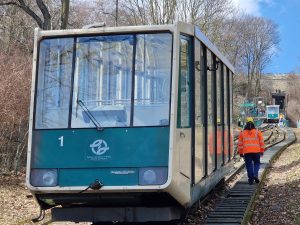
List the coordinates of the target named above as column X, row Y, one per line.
column 278, row 201
column 17, row 205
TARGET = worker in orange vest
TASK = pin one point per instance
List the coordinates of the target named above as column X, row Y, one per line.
column 251, row 146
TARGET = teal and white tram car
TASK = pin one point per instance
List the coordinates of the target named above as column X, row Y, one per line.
column 127, row 123
column 272, row 112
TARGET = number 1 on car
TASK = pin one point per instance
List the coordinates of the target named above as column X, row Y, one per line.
column 61, row 141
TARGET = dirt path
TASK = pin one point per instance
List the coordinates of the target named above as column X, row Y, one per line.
column 279, row 200
column 17, row 206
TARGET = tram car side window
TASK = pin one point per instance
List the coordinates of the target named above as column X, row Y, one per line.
column 230, row 108
column 184, row 90
column 210, row 114
column 219, row 114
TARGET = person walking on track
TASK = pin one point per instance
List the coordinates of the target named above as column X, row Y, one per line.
column 251, row 146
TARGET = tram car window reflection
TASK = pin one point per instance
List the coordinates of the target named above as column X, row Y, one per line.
column 184, row 83
column 54, row 83
column 152, row 79
column 103, row 80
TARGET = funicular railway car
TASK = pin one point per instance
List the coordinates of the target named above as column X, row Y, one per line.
column 129, row 123
column 272, row 112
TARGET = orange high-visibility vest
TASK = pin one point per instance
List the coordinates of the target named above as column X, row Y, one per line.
column 251, row 141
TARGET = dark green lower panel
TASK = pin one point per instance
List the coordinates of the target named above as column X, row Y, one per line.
column 273, row 116
column 107, row 176
column 81, row 148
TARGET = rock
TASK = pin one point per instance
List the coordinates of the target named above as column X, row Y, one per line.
column 261, row 196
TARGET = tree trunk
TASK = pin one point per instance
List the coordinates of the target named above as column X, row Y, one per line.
column 64, row 16
column 22, row 136
column 257, row 83
column 46, row 14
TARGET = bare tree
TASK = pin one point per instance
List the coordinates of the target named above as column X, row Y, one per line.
column 44, row 20
column 259, row 39
column 16, row 30
column 190, row 10
column 212, row 15
column 14, row 94
column 150, row 11
column 98, row 11
column 204, row 13
column 267, row 40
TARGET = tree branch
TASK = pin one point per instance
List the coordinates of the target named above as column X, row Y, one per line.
column 46, row 14
column 8, row 3
column 21, row 4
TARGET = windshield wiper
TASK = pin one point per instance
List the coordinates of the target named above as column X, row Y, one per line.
column 89, row 114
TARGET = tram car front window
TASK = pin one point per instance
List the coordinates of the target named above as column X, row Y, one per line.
column 103, row 81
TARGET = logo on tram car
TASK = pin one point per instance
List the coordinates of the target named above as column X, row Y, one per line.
column 99, row 147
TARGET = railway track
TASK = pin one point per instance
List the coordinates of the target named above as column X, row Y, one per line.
column 234, row 206
column 198, row 213
column 272, row 135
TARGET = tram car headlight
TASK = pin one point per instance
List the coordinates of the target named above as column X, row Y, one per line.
column 43, row 177
column 153, row 175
